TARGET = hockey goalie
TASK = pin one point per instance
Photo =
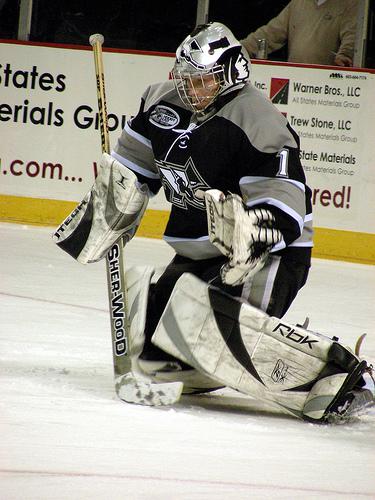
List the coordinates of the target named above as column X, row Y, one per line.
column 241, row 227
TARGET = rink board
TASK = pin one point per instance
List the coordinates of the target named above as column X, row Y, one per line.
column 50, row 145
column 328, row 243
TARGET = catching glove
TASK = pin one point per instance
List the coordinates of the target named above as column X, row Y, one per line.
column 244, row 236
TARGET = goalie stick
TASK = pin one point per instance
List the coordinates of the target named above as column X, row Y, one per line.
column 128, row 387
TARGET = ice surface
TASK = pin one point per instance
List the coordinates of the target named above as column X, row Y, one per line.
column 64, row 435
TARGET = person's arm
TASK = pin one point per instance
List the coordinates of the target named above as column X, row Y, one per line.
column 275, row 32
column 133, row 149
column 348, row 25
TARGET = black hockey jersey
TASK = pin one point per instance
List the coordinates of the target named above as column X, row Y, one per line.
column 245, row 146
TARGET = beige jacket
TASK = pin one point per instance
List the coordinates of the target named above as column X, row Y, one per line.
column 313, row 33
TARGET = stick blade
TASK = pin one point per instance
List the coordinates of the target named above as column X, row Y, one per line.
column 136, row 391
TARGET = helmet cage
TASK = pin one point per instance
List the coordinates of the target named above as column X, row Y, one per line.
column 198, row 89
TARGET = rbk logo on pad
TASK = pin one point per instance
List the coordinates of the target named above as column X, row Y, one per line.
column 279, row 93
column 181, row 182
column 291, row 334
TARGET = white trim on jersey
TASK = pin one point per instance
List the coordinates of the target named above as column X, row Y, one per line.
column 270, row 282
column 137, row 136
column 306, row 244
column 193, row 248
column 133, row 166
column 302, row 244
column 279, row 246
column 253, row 179
column 258, row 289
column 175, row 238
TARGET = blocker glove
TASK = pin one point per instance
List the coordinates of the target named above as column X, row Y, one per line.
column 245, row 236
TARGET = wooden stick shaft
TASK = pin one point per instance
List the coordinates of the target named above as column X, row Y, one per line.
column 102, row 103
column 115, row 259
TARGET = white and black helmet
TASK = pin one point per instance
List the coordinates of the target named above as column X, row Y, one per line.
column 211, row 49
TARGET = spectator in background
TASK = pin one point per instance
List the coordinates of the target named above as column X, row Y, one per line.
column 316, row 31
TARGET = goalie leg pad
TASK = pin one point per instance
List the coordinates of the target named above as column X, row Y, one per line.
column 194, row 381
column 138, row 281
column 134, row 387
column 338, row 396
column 112, row 209
column 244, row 348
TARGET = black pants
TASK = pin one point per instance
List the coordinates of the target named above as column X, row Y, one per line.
column 279, row 281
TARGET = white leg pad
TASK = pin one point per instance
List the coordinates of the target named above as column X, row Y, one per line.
column 138, row 281
column 136, row 387
column 244, row 348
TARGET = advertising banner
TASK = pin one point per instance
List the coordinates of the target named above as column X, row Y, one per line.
column 48, row 115
column 333, row 112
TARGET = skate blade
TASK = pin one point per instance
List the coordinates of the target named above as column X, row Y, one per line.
column 136, row 391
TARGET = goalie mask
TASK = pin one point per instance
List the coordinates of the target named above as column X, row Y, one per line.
column 209, row 63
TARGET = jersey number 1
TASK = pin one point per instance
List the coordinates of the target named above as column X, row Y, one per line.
column 283, row 165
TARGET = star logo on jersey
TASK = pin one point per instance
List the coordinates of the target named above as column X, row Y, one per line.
column 181, row 183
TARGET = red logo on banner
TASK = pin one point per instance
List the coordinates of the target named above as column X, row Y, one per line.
column 279, row 92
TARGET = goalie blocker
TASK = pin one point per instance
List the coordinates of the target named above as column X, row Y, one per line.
column 112, row 209
column 307, row 374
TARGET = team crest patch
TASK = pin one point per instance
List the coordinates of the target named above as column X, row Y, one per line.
column 181, row 182
column 164, row 117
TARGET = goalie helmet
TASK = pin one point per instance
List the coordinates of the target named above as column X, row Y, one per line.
column 209, row 63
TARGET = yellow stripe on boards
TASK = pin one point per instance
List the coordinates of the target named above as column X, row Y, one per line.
column 344, row 245
column 34, row 211
column 328, row 243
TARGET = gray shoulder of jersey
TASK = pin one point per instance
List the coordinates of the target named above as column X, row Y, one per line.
column 264, row 125
column 164, row 91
